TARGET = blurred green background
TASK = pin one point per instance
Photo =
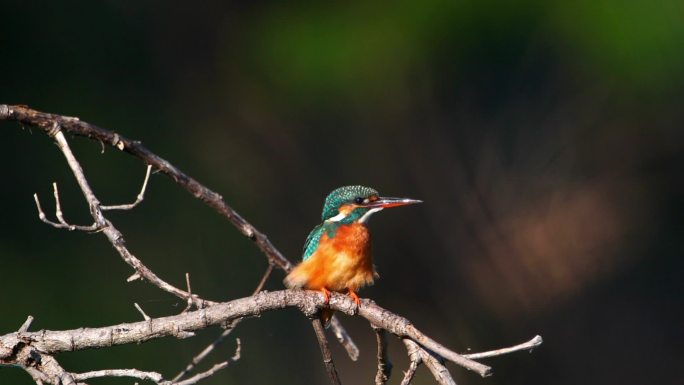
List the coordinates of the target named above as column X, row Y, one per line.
column 544, row 137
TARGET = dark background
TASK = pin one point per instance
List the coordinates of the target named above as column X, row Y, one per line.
column 544, row 137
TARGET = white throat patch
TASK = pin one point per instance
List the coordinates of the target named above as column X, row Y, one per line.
column 364, row 217
column 337, row 217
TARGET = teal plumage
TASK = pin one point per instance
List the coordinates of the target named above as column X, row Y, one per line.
column 312, row 240
column 343, row 195
column 338, row 197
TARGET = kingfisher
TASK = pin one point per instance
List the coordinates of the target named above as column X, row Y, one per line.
column 337, row 253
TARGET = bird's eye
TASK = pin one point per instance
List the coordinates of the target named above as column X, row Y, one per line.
column 358, row 200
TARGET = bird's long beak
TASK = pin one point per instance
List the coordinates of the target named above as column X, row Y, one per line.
column 385, row 202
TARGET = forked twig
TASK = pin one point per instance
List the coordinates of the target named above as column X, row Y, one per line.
column 434, row 363
column 154, row 376
column 229, row 329
column 61, row 223
column 113, row 235
column 138, row 199
column 221, row 365
column 415, row 359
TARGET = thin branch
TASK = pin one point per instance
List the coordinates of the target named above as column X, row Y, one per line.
column 200, row 376
column 343, row 338
column 61, row 224
column 138, row 199
column 203, row 354
column 113, row 235
column 435, row 365
column 384, row 365
column 26, row 325
column 402, row 327
column 133, row 373
column 325, row 351
column 264, row 278
column 414, row 358
column 229, row 329
column 145, row 316
column 36, row 375
column 529, row 345
column 187, row 283
column 58, row 206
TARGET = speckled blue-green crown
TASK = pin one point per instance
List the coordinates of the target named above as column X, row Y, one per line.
column 343, row 195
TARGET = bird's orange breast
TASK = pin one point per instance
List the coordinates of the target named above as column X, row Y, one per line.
column 340, row 262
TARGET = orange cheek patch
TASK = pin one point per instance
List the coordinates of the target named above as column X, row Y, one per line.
column 346, row 209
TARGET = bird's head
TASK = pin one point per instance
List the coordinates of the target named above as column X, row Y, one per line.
column 350, row 204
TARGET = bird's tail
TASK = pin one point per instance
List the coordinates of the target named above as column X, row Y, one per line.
column 296, row 279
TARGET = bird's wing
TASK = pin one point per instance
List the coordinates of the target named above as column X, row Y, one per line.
column 312, row 240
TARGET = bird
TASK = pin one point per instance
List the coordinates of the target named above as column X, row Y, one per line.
column 337, row 253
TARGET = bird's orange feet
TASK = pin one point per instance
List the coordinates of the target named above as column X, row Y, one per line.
column 326, row 295
column 355, row 297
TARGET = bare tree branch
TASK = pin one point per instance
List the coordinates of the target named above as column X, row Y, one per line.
column 325, row 351
column 189, row 287
column 529, row 345
column 200, row 376
column 221, row 365
column 436, row 366
column 34, row 351
column 154, row 376
column 145, row 316
column 26, row 325
column 47, row 122
column 113, row 235
column 50, row 342
column 343, row 338
column 418, row 355
column 415, row 359
column 210, row 348
column 133, row 373
column 42, row 367
column 116, row 238
column 264, row 278
column 138, row 199
column 61, row 224
column 75, row 126
column 402, row 327
column 384, row 365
